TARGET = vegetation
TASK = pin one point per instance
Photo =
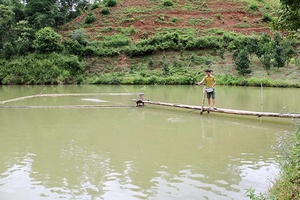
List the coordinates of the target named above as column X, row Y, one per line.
column 287, row 186
column 115, row 54
column 289, row 15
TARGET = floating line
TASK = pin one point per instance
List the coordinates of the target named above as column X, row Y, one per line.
column 62, row 95
column 69, row 106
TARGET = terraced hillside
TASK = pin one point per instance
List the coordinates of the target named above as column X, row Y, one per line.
column 143, row 18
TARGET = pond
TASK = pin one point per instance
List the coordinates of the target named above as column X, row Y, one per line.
column 118, row 151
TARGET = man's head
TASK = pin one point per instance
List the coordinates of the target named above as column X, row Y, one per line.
column 208, row 71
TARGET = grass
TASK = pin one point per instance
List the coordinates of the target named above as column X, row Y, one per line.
column 287, row 186
column 200, row 21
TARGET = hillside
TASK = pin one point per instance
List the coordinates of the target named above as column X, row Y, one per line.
column 141, row 41
column 147, row 17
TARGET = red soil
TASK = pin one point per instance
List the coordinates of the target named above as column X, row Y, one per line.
column 223, row 15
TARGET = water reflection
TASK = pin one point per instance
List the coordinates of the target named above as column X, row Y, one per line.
column 146, row 153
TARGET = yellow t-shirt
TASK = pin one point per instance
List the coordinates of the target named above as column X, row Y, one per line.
column 209, row 81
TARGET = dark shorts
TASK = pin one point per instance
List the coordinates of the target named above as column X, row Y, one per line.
column 211, row 94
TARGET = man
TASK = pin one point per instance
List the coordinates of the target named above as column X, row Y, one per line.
column 210, row 83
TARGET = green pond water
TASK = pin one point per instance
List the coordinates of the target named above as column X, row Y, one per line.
column 122, row 152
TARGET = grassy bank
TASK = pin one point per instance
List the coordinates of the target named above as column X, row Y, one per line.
column 287, row 186
column 187, row 79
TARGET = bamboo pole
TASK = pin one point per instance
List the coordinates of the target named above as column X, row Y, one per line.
column 227, row 111
column 203, row 100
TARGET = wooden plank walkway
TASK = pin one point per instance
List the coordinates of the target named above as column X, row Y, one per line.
column 225, row 111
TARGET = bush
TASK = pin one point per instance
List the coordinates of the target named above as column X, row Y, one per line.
column 253, row 7
column 111, row 3
column 242, row 62
column 79, row 35
column 42, row 69
column 73, row 47
column 266, row 18
column 90, row 18
column 47, row 40
column 105, row 11
column 8, row 50
column 95, row 5
column 168, row 3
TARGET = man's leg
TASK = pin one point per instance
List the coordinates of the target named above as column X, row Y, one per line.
column 208, row 100
column 214, row 102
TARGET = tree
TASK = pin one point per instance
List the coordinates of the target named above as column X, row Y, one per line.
column 288, row 50
column 42, row 13
column 252, row 46
column 6, row 22
column 264, row 51
column 47, row 40
column 242, row 62
column 24, row 35
column 70, row 9
column 289, row 15
column 8, row 50
column 279, row 60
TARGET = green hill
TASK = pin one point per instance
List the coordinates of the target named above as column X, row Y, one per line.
column 172, row 42
column 146, row 42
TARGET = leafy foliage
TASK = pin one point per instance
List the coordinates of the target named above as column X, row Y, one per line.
column 41, row 69
column 90, row 18
column 242, row 62
column 79, row 36
column 289, row 15
column 111, row 3
column 168, row 3
column 47, row 40
column 105, row 11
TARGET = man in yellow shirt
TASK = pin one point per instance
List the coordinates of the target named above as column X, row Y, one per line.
column 210, row 83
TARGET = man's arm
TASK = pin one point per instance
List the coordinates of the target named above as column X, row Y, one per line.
column 215, row 82
column 199, row 83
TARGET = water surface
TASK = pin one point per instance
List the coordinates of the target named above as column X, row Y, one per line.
column 139, row 153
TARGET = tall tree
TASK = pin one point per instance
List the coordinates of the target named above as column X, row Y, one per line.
column 6, row 22
column 69, row 9
column 24, row 36
column 42, row 13
column 289, row 15
column 47, row 40
column 242, row 62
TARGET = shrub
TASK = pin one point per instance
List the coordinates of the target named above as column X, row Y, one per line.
column 42, row 69
column 47, row 40
column 111, row 3
column 95, row 5
column 105, row 11
column 168, row 3
column 253, row 7
column 151, row 64
column 8, row 50
column 242, row 63
column 73, row 47
column 90, row 18
column 79, row 36
column 266, row 18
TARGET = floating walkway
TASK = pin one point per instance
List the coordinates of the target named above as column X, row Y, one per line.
column 141, row 102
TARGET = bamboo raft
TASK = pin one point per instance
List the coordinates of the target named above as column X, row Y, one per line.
column 141, row 102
